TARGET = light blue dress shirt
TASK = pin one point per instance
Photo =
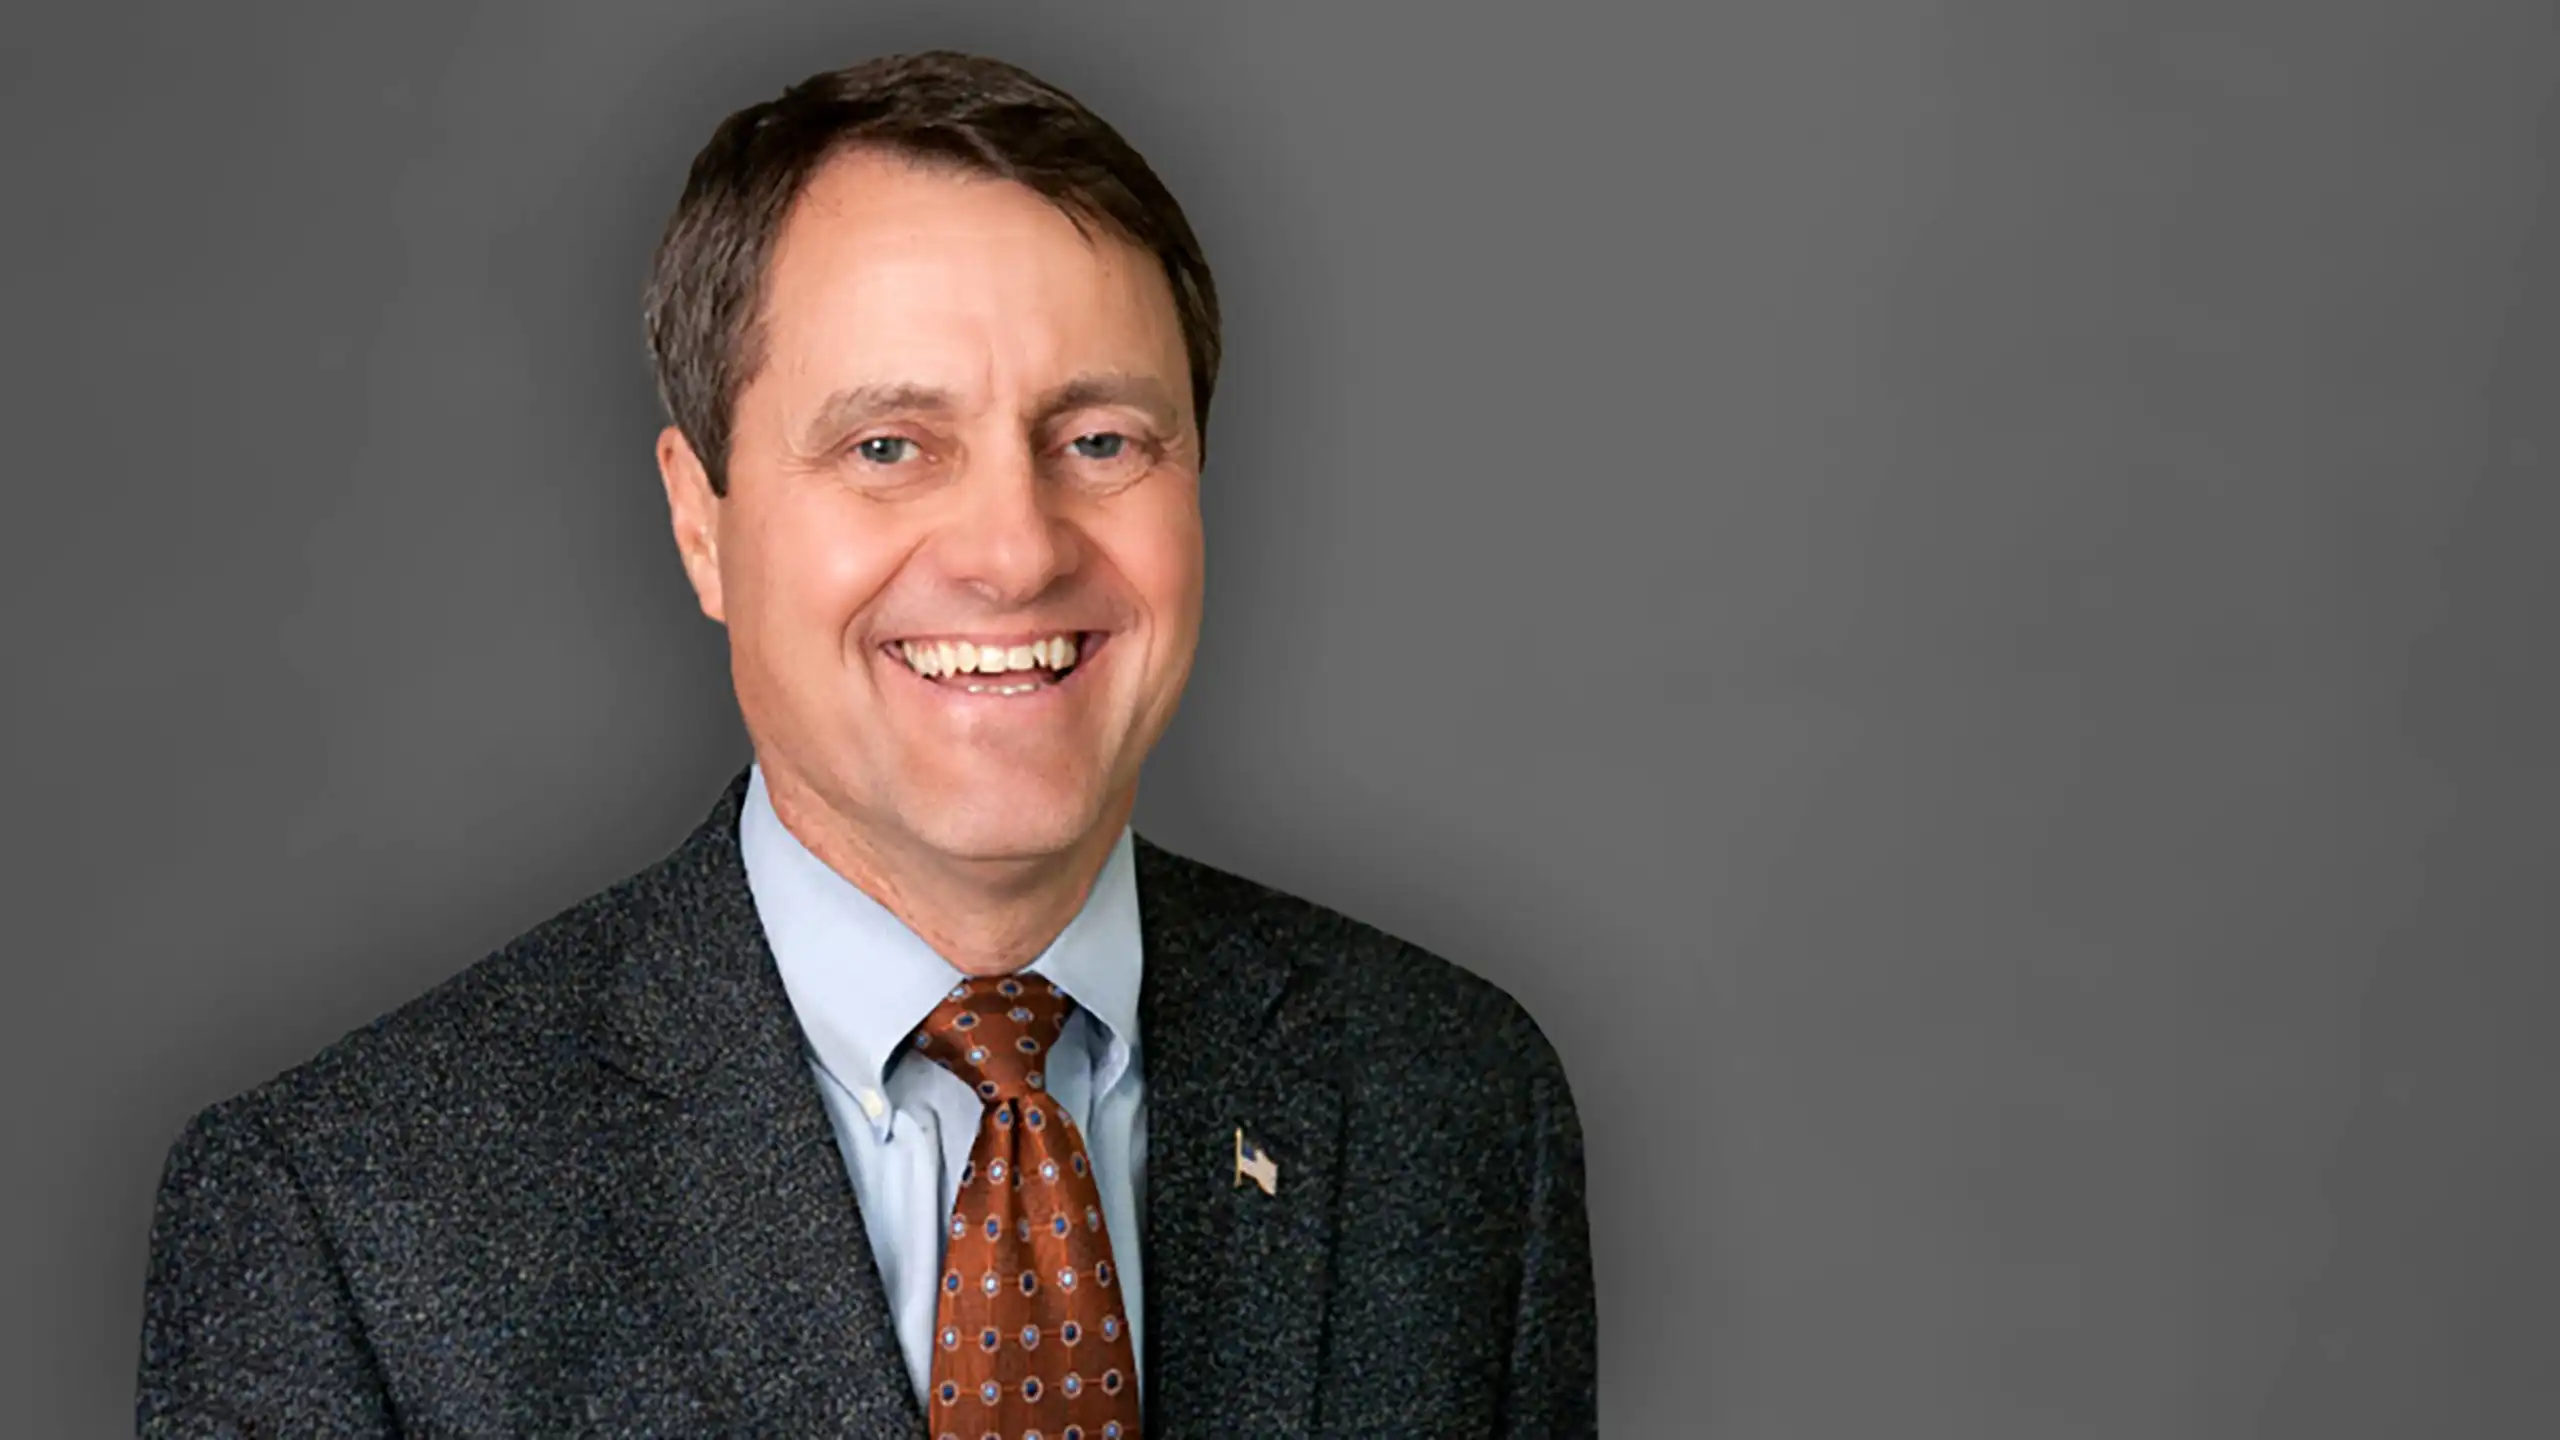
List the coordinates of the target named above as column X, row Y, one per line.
column 861, row 981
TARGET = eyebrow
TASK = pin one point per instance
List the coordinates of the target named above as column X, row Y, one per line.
column 850, row 409
column 1110, row 387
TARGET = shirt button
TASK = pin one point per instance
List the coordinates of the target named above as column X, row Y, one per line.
column 872, row 1104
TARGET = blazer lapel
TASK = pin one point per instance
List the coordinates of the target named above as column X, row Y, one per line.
column 739, row 1189
column 1237, row 1281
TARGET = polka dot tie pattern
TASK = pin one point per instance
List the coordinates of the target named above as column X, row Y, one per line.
column 1030, row 1340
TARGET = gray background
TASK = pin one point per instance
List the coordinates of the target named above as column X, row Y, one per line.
column 1956, row 596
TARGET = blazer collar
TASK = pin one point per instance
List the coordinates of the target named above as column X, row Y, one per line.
column 1212, row 976
column 732, row 1178
column 1240, row 1050
column 693, row 985
column 696, row 986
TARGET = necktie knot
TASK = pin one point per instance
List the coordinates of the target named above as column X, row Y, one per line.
column 996, row 1033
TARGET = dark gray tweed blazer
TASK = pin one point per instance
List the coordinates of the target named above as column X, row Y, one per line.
column 587, row 1187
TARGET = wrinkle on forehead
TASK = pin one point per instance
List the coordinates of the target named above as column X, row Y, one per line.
column 948, row 295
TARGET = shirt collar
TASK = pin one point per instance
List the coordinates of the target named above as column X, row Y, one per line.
column 860, row 981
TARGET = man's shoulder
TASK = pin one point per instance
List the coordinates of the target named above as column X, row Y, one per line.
column 1372, row 991
column 493, row 1036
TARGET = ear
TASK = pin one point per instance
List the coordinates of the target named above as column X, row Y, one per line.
column 695, row 513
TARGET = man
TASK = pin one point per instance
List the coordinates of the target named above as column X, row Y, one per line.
column 914, row 1094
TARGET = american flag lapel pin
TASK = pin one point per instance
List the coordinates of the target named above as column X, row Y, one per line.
column 1250, row 1160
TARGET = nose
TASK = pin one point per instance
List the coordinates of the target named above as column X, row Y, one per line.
column 1006, row 539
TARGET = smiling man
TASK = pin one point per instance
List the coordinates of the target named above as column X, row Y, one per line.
column 914, row 1093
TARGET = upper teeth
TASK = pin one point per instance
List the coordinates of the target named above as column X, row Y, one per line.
column 949, row 657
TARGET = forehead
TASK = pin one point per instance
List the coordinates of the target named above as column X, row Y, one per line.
column 887, row 265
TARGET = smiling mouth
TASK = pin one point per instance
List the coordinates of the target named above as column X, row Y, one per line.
column 1028, row 667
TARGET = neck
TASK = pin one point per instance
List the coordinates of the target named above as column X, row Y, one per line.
column 985, row 917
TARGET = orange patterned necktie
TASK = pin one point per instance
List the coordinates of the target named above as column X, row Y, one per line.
column 1029, row 1340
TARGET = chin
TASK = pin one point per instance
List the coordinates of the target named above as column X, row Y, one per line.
column 982, row 827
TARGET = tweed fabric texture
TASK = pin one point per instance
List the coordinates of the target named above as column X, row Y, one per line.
column 586, row 1187
column 1029, row 1341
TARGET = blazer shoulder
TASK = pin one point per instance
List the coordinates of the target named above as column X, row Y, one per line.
column 1378, row 992
column 523, row 1010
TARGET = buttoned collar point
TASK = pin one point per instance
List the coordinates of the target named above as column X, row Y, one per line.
column 860, row 981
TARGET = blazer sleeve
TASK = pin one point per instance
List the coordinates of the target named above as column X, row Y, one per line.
column 1552, row 1387
column 248, row 1328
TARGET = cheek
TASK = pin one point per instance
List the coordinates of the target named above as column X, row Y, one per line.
column 1157, row 548
column 811, row 572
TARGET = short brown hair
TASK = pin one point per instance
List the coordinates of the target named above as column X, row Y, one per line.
column 707, row 285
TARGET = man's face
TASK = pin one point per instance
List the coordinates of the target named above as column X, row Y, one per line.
column 971, row 433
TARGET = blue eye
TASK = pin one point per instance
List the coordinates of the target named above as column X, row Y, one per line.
column 1104, row 446
column 880, row 449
